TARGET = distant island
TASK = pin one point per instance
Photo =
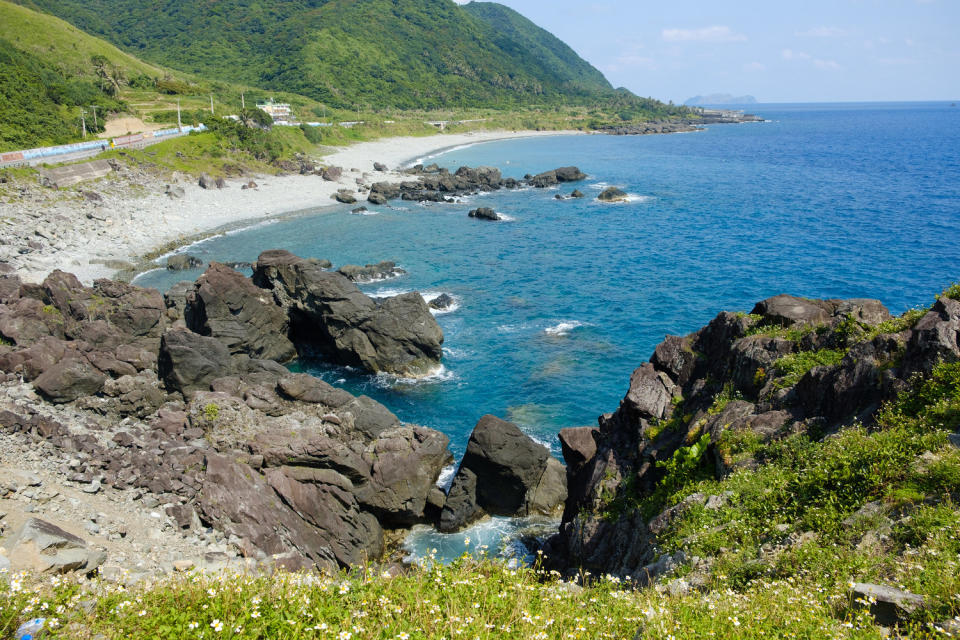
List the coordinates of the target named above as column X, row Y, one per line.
column 719, row 98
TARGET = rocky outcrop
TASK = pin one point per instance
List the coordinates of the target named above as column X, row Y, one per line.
column 330, row 314
column 292, row 471
column 227, row 306
column 435, row 184
column 484, row 213
column 613, row 194
column 371, row 272
column 730, row 377
column 503, row 473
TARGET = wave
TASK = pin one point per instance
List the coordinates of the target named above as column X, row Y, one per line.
column 365, row 213
column 385, row 293
column 496, row 537
column 505, row 218
column 563, row 328
column 438, row 374
column 429, row 296
column 446, row 477
column 256, row 225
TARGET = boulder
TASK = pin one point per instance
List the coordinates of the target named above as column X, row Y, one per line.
column 613, row 194
column 329, row 313
column 484, row 213
column 189, row 362
column 545, row 179
column 345, row 197
column 442, row 302
column 375, row 197
column 569, row 174
column 69, row 379
column 206, row 182
column 183, row 262
column 785, row 310
column 45, row 547
column 379, row 166
column 332, row 174
column 887, row 605
column 514, row 476
column 227, row 306
column 576, row 193
column 578, row 445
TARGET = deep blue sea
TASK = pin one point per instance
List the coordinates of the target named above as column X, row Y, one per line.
column 560, row 303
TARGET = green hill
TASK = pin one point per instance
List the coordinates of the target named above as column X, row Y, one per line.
column 519, row 36
column 347, row 53
column 47, row 75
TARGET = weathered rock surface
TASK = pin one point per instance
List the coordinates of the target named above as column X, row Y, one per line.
column 227, row 306
column 329, row 313
column 504, row 473
column 44, row 547
column 190, row 362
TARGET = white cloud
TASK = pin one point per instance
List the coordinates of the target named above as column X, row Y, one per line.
column 822, row 32
column 716, row 33
column 826, row 64
column 754, row 66
column 803, row 56
column 790, row 54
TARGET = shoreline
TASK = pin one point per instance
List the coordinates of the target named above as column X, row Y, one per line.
column 134, row 221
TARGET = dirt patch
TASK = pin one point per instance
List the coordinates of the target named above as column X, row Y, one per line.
column 128, row 124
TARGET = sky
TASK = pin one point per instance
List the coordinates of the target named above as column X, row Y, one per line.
column 774, row 50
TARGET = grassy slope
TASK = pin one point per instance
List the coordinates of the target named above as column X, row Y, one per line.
column 397, row 53
column 53, row 39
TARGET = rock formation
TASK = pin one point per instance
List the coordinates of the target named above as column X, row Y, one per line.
column 329, row 313
column 726, row 378
column 503, row 473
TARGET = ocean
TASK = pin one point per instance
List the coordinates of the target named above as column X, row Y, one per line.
column 560, row 302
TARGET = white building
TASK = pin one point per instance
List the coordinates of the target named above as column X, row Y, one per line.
column 280, row 112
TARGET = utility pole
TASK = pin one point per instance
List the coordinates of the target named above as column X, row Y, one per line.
column 211, row 104
column 243, row 104
column 83, row 122
column 94, row 107
column 179, row 126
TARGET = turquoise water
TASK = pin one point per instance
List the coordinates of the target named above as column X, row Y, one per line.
column 559, row 304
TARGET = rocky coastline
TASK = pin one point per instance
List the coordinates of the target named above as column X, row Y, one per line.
column 177, row 411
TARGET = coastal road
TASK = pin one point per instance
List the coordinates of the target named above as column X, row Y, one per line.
column 49, row 154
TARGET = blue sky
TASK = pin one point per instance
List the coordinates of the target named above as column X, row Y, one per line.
column 797, row 51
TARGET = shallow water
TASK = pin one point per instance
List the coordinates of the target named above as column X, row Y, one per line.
column 559, row 304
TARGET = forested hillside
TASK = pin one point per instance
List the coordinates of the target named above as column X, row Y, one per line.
column 348, row 53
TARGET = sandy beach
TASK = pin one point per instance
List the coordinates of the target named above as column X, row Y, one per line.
column 47, row 229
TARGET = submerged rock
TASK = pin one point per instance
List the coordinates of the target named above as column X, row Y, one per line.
column 371, row 272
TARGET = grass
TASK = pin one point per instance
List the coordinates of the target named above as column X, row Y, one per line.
column 794, row 366
column 469, row 598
